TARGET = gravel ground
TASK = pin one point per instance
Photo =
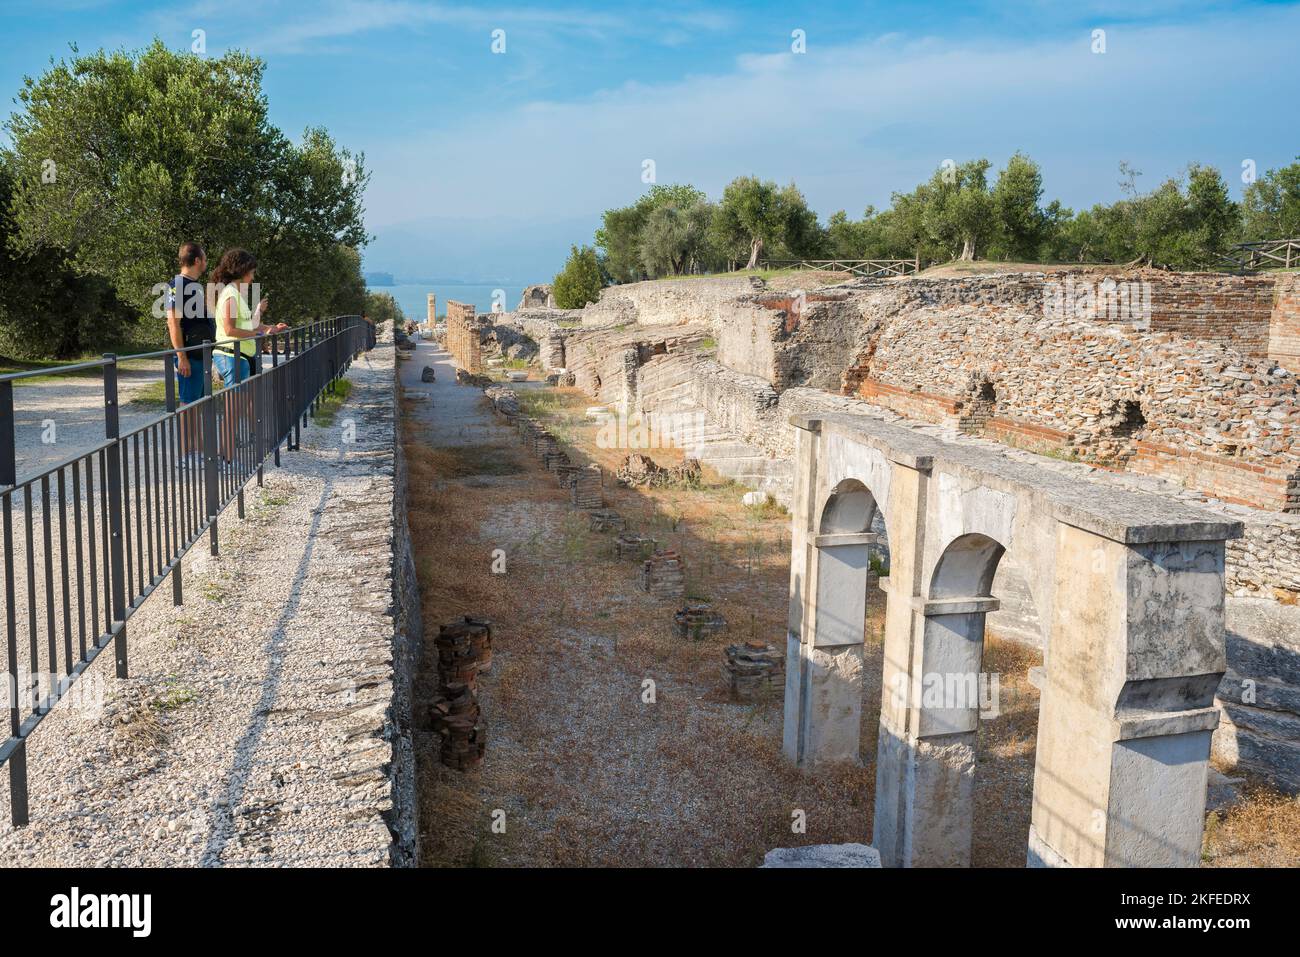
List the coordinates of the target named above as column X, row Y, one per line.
column 253, row 729
column 74, row 406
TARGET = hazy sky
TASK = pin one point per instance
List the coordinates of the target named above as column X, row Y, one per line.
column 488, row 165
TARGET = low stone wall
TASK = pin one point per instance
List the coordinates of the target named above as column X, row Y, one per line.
column 667, row 301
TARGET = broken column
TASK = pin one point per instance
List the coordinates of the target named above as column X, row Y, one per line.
column 663, row 575
column 698, row 621
column 586, row 491
column 464, row 649
column 458, row 721
column 752, row 670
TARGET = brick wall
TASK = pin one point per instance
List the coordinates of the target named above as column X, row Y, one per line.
column 1218, row 420
column 1233, row 311
column 463, row 337
column 1284, row 332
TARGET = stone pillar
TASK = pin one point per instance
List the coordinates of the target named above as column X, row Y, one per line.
column 1128, row 700
column 935, row 758
column 433, row 311
column 907, row 503
column 803, row 505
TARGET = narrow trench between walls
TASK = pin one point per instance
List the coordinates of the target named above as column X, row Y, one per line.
column 578, row 769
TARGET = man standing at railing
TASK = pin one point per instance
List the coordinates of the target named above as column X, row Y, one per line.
column 189, row 323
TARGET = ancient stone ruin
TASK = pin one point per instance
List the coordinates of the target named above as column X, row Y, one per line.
column 1103, row 465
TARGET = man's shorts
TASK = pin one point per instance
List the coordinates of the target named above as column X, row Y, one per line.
column 189, row 388
column 225, row 364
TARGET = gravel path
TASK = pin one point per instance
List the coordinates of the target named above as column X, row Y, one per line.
column 253, row 729
column 54, row 419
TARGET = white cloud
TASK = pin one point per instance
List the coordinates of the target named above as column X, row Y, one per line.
column 851, row 122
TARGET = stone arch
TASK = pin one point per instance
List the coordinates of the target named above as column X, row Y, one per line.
column 966, row 567
column 833, row 623
column 1131, row 587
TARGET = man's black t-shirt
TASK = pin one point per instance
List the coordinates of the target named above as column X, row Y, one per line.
column 188, row 297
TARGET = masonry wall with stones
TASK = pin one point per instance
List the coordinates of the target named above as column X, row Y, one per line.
column 463, row 339
column 1284, row 332
column 1197, row 412
column 1112, row 400
column 666, row 301
column 408, row 635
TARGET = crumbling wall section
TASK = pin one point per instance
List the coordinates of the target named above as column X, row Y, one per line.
column 667, row 301
column 1219, row 420
column 463, row 337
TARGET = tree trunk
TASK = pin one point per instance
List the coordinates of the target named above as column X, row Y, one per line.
column 755, row 247
column 968, row 249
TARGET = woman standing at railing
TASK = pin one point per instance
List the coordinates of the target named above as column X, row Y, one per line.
column 238, row 326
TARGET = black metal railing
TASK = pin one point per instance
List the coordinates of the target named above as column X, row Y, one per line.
column 99, row 531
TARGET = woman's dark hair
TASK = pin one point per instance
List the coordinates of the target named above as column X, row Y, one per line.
column 189, row 254
column 235, row 263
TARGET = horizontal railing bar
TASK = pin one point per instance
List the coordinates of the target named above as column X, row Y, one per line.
column 106, row 360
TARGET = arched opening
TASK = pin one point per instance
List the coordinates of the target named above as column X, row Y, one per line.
column 845, row 659
column 978, row 707
column 837, row 693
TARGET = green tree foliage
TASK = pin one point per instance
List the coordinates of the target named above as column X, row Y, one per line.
column 675, row 240
column 1185, row 223
column 622, row 231
column 1270, row 207
column 1020, row 222
column 758, row 219
column 47, row 308
column 579, row 282
column 381, row 307
column 119, row 157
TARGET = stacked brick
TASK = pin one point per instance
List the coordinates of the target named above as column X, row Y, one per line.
column 663, row 575
column 698, row 621
column 464, row 651
column 463, row 340
column 1284, row 331
column 457, row 719
column 586, row 491
column 752, row 670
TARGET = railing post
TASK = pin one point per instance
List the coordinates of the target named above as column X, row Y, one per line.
column 237, row 424
column 169, row 377
column 113, row 453
column 299, row 387
column 211, row 495
column 8, row 478
column 277, row 410
column 255, row 396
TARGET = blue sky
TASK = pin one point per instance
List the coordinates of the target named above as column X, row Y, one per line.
column 487, row 166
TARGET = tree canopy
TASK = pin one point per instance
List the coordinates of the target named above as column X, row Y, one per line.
column 118, row 158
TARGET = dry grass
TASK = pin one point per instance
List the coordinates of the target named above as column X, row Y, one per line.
column 586, row 772
column 1261, row 831
column 589, row 774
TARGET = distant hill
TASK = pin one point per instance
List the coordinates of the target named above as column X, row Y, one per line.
column 380, row 279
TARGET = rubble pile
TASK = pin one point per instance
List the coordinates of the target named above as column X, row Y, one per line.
column 752, row 670
column 607, row 520
column 641, row 471
column 698, row 621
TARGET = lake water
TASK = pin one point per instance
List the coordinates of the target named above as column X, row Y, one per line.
column 414, row 297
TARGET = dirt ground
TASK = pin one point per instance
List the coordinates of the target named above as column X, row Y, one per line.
column 586, row 771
